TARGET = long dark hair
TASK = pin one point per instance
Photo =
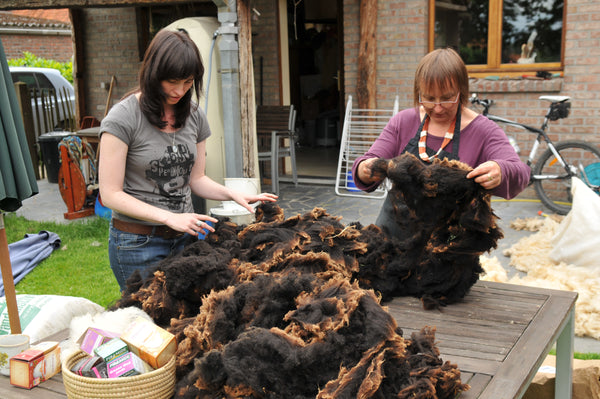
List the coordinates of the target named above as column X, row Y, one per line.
column 170, row 55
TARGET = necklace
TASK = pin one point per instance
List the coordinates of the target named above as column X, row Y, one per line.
column 423, row 140
column 173, row 146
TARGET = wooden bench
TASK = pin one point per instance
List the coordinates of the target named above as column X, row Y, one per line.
column 498, row 336
column 276, row 134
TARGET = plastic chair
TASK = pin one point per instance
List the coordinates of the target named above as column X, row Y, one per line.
column 275, row 127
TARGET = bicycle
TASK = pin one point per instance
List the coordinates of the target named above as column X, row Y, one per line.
column 551, row 174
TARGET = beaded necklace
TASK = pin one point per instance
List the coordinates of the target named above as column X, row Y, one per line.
column 423, row 140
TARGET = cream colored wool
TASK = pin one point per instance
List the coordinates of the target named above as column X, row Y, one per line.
column 114, row 321
column 531, row 255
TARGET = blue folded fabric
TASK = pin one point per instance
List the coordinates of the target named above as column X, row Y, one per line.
column 27, row 253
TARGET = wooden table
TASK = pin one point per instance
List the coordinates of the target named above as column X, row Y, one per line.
column 498, row 336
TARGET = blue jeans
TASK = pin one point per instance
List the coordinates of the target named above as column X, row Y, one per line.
column 128, row 252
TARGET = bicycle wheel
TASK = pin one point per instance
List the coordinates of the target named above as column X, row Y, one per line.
column 552, row 182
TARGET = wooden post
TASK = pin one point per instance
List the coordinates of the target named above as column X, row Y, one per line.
column 79, row 32
column 8, row 281
column 366, row 89
column 247, row 103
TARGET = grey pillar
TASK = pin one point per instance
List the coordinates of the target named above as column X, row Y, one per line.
column 230, row 78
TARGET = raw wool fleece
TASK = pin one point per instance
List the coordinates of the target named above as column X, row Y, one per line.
column 531, row 255
column 290, row 308
column 452, row 224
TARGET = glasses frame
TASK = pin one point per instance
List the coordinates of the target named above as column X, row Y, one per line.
column 443, row 104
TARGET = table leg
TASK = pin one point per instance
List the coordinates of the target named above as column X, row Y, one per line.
column 564, row 359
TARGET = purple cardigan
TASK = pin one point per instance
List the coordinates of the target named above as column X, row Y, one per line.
column 482, row 140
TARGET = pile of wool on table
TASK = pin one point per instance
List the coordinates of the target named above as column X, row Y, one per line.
column 291, row 308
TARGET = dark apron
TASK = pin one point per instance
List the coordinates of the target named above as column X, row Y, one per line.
column 390, row 214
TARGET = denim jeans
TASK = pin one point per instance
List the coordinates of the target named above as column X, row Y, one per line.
column 128, row 252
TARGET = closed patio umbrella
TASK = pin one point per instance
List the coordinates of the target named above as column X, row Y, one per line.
column 17, row 178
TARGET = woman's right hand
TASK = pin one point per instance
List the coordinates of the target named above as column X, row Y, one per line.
column 365, row 172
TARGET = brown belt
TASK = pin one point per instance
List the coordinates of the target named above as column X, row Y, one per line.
column 144, row 229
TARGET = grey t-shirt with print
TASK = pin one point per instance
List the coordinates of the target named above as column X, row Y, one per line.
column 158, row 165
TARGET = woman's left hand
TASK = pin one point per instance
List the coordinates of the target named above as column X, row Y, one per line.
column 245, row 200
column 488, row 174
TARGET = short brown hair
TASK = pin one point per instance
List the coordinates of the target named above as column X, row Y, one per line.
column 442, row 68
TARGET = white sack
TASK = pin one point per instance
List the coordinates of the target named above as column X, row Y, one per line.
column 44, row 315
column 577, row 239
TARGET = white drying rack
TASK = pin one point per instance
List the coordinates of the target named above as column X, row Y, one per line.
column 361, row 128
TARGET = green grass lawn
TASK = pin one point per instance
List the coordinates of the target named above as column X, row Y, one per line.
column 79, row 267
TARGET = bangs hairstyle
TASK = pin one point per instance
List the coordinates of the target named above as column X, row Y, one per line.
column 443, row 69
column 171, row 55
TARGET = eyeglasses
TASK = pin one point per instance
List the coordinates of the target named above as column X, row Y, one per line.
column 443, row 104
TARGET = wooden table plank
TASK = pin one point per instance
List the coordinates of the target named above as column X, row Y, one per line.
column 478, row 383
column 528, row 354
column 51, row 389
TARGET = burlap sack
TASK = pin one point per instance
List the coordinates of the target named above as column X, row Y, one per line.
column 586, row 380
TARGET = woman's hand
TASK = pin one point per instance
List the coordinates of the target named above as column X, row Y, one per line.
column 365, row 173
column 191, row 223
column 245, row 200
column 488, row 174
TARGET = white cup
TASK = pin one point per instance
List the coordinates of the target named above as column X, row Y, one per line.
column 11, row 345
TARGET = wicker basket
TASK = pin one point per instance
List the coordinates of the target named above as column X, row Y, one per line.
column 157, row 384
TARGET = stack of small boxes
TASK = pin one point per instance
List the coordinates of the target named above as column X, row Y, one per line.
column 35, row 365
column 142, row 347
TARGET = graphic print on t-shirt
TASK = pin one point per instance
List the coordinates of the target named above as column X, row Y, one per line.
column 171, row 174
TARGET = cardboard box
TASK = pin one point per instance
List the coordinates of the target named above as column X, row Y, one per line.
column 90, row 366
column 93, row 338
column 35, row 365
column 152, row 344
column 125, row 365
column 111, row 349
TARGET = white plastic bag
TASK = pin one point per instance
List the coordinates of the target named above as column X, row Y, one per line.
column 577, row 238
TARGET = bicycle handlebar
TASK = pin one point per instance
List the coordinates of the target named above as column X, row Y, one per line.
column 485, row 103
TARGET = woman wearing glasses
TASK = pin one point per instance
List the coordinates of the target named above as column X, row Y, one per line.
column 440, row 125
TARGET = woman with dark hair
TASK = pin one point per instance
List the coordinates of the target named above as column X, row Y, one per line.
column 440, row 125
column 153, row 156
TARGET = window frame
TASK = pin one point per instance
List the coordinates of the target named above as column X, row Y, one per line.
column 494, row 65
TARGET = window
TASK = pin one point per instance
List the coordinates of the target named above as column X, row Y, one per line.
column 43, row 82
column 500, row 35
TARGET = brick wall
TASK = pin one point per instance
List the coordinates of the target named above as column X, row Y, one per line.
column 402, row 41
column 110, row 49
column 57, row 48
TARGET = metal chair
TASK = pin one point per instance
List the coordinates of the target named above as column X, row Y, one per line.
column 276, row 131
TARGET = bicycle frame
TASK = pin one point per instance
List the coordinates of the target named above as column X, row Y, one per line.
column 541, row 134
column 551, row 184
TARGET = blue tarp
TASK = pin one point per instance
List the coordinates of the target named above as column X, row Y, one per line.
column 27, row 253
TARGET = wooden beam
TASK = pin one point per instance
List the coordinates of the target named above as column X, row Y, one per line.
column 37, row 4
column 78, row 29
column 366, row 89
column 247, row 102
